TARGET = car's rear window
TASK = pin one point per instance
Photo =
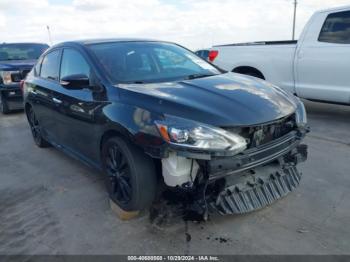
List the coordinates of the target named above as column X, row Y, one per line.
column 129, row 62
column 21, row 51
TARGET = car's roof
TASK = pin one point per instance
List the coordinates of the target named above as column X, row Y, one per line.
column 107, row 40
column 25, row 43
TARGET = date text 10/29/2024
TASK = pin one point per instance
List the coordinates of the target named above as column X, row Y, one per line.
column 173, row 258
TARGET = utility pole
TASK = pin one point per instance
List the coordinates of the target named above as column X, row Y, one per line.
column 294, row 18
column 48, row 31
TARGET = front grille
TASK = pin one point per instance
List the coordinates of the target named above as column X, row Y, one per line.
column 262, row 134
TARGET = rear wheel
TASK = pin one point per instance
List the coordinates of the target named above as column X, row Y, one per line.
column 35, row 128
column 3, row 105
column 130, row 175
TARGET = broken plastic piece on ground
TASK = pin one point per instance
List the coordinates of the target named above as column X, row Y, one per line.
column 122, row 214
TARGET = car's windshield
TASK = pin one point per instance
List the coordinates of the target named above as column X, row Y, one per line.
column 21, row 51
column 148, row 62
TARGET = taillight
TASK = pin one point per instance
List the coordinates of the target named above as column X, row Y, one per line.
column 21, row 85
column 212, row 55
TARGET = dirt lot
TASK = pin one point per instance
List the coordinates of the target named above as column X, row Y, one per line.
column 52, row 204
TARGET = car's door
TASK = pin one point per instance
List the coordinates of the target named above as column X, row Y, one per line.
column 78, row 128
column 322, row 61
column 40, row 94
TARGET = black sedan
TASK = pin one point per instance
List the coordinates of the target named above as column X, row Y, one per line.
column 149, row 113
column 16, row 60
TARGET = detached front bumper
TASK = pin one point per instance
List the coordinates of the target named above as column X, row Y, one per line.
column 252, row 192
column 257, row 178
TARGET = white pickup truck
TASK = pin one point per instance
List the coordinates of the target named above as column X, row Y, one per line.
column 317, row 67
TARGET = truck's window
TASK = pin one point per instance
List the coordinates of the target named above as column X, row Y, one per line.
column 21, row 51
column 336, row 28
column 50, row 65
column 73, row 63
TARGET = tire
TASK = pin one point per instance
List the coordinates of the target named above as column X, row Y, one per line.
column 3, row 105
column 130, row 176
column 35, row 128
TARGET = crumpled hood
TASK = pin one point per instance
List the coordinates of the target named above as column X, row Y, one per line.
column 16, row 64
column 223, row 100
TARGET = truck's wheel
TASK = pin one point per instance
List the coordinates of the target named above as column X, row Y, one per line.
column 130, row 175
column 35, row 128
column 3, row 105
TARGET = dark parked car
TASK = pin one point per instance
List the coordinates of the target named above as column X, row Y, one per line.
column 16, row 60
column 149, row 113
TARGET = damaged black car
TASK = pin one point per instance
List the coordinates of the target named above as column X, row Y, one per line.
column 150, row 113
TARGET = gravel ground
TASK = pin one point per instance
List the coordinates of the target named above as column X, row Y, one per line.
column 52, row 204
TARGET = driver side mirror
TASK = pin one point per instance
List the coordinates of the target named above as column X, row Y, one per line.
column 75, row 82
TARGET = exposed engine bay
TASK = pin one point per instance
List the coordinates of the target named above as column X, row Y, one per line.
column 263, row 173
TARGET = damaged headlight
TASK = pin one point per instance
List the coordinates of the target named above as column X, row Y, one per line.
column 300, row 115
column 194, row 135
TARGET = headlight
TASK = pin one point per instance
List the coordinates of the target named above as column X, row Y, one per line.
column 300, row 115
column 7, row 76
column 194, row 135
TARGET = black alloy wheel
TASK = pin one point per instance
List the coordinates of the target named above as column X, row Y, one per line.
column 35, row 128
column 118, row 172
column 130, row 174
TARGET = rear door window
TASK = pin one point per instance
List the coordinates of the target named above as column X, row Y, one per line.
column 50, row 65
column 336, row 28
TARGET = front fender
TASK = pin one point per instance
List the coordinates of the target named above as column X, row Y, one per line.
column 135, row 124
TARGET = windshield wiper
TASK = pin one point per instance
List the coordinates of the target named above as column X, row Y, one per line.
column 194, row 76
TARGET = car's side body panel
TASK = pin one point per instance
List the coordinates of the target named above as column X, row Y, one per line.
column 321, row 69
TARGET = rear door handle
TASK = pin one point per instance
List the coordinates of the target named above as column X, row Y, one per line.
column 56, row 101
column 33, row 92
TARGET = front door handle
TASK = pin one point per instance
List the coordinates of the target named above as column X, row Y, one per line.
column 56, row 101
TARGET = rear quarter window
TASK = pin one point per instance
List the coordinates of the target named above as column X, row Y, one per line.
column 50, row 65
column 37, row 67
column 336, row 28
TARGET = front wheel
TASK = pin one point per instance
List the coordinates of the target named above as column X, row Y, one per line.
column 35, row 128
column 130, row 175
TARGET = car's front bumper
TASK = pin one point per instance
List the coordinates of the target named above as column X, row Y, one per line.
column 289, row 144
column 12, row 95
column 250, row 192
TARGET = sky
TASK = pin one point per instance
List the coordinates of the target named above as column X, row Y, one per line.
column 193, row 23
